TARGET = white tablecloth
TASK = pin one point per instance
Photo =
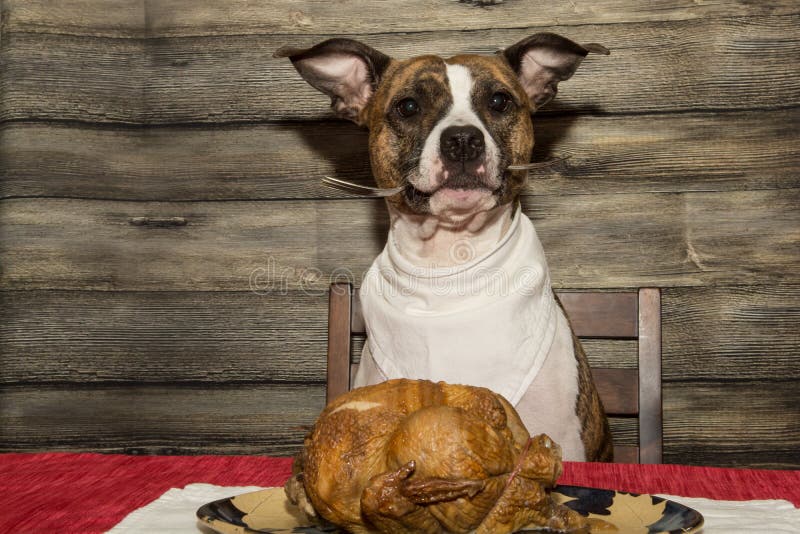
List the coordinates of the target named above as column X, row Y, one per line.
column 174, row 513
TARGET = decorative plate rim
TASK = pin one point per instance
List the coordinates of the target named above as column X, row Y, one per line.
column 209, row 514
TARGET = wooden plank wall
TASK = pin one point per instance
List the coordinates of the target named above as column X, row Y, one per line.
column 165, row 241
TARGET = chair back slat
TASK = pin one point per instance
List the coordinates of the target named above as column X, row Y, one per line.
column 339, row 310
column 611, row 315
column 618, row 389
column 602, row 315
column 650, row 402
column 626, row 454
column 357, row 325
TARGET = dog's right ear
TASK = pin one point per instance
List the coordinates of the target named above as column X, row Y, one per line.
column 348, row 71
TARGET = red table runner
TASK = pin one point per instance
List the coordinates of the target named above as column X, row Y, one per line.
column 86, row 493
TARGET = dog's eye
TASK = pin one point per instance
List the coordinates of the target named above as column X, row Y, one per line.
column 407, row 107
column 499, row 102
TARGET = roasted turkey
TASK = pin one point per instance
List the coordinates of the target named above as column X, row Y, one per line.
column 413, row 456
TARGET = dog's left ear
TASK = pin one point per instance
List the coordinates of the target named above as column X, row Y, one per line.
column 544, row 59
column 346, row 70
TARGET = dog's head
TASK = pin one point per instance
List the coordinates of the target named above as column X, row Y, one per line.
column 445, row 129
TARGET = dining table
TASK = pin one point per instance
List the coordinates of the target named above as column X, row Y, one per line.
column 93, row 492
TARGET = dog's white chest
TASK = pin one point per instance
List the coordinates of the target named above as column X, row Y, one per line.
column 549, row 404
column 489, row 322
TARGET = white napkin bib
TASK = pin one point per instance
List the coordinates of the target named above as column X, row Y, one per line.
column 488, row 322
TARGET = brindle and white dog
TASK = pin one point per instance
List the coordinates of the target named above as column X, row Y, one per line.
column 446, row 130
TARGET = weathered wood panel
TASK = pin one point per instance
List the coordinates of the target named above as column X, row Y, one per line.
column 117, row 18
column 140, row 18
column 624, row 430
column 612, row 241
column 758, row 429
column 57, row 337
column 732, row 334
column 147, row 419
column 714, row 64
column 73, row 78
column 254, row 419
column 682, row 173
column 93, row 337
column 607, row 154
column 746, row 56
column 753, row 424
column 85, row 337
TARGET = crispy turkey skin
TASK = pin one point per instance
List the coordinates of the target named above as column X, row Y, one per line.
column 415, row 456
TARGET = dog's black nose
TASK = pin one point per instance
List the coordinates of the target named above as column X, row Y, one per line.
column 462, row 143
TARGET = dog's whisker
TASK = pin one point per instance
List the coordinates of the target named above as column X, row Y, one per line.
column 409, row 166
column 363, row 190
column 536, row 164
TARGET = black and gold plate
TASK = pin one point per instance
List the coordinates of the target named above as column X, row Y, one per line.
column 268, row 511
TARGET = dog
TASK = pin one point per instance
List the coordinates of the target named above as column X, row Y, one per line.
column 461, row 293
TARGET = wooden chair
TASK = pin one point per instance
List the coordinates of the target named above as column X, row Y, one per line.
column 617, row 315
